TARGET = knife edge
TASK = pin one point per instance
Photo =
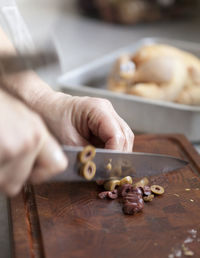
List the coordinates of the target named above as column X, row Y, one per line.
column 135, row 164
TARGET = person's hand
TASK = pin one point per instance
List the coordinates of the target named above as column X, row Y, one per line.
column 27, row 150
column 83, row 120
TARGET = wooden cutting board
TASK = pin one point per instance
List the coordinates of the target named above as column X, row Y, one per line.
column 68, row 220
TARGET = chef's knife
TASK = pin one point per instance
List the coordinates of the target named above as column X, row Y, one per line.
column 25, row 61
column 135, row 164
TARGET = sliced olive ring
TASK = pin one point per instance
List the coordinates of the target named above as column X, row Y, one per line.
column 126, row 180
column 111, row 184
column 88, row 170
column 157, row 189
column 87, row 154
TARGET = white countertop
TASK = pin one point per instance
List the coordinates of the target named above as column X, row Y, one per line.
column 81, row 40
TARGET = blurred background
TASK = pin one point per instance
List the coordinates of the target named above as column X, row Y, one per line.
column 86, row 29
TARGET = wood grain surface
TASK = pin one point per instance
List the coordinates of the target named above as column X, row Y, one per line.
column 68, row 220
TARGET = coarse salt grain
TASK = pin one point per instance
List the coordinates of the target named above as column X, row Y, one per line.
column 192, row 231
column 177, row 253
column 188, row 240
column 187, row 251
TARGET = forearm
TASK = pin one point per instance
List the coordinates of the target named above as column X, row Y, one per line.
column 25, row 85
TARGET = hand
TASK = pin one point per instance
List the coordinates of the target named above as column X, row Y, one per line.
column 27, row 150
column 84, row 120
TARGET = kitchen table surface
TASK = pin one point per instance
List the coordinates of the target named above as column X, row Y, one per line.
column 80, row 40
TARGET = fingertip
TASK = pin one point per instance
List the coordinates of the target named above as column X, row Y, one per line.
column 133, row 138
column 12, row 190
column 51, row 161
column 52, row 158
column 60, row 160
column 131, row 141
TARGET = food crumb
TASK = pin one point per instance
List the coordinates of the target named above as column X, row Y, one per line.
column 187, row 189
column 187, row 251
column 184, row 250
column 188, row 240
column 193, row 232
column 177, row 195
column 191, row 200
column 178, row 253
column 148, row 198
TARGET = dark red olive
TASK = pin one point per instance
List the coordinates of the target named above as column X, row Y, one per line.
column 125, row 189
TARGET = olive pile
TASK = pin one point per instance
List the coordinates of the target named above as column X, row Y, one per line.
column 133, row 195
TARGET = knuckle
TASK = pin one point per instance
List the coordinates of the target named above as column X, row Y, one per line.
column 29, row 142
column 33, row 137
column 102, row 102
column 131, row 136
column 122, row 138
column 36, row 136
column 9, row 151
column 106, row 102
column 25, row 142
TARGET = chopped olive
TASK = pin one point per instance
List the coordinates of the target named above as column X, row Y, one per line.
column 88, row 170
column 132, row 203
column 87, row 154
column 125, row 189
column 111, row 184
column 109, row 166
column 108, row 194
column 103, row 195
column 113, row 194
column 157, row 189
column 138, row 190
column 146, row 190
column 148, row 198
column 141, row 183
column 126, row 180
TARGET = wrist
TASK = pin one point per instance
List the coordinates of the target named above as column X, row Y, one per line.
column 27, row 86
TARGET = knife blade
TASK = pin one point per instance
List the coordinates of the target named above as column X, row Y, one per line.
column 135, row 164
column 25, row 61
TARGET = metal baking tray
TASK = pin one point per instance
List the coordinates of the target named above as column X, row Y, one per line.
column 142, row 115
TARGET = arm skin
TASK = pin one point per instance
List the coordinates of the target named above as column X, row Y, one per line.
column 73, row 120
